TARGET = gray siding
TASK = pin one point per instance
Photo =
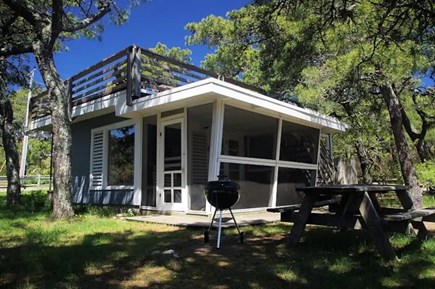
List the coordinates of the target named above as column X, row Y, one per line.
column 81, row 151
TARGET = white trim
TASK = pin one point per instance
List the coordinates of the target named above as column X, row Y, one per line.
column 161, row 205
column 266, row 162
column 105, row 130
column 138, row 155
column 208, row 87
column 215, row 144
column 272, row 198
column 159, row 164
column 104, row 103
column 203, row 90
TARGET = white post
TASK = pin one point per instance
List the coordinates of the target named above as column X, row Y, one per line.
column 26, row 123
column 219, row 230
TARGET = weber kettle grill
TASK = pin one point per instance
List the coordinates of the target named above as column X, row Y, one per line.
column 222, row 194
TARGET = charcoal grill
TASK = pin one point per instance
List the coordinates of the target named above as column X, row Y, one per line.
column 222, row 194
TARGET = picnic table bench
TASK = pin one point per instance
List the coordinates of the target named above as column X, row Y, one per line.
column 357, row 207
column 288, row 210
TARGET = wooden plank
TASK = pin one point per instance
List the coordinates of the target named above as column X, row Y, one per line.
column 302, row 217
column 100, row 88
column 102, row 63
column 200, row 70
column 351, row 189
column 422, row 232
column 405, row 199
column 172, row 68
column 287, row 208
column 99, row 94
column 430, row 218
column 372, row 221
column 323, row 219
column 165, row 74
column 409, row 215
column 113, row 68
column 282, row 209
column 97, row 81
column 157, row 81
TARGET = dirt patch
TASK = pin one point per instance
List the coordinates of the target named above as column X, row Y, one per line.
column 430, row 226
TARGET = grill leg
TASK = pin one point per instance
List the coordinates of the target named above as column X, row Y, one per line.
column 207, row 232
column 237, row 227
column 219, row 230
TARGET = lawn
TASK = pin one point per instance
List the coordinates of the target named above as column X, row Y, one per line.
column 99, row 250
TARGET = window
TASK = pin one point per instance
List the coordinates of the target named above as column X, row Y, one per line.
column 299, row 143
column 112, row 156
column 120, row 164
column 248, row 134
column 268, row 174
column 255, row 183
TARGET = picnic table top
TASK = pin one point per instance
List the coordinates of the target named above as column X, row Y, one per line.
column 343, row 189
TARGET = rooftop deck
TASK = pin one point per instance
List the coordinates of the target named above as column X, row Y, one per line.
column 140, row 72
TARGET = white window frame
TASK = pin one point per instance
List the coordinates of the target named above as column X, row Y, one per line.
column 276, row 163
column 106, row 130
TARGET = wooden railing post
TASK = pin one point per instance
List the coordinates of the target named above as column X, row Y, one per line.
column 133, row 74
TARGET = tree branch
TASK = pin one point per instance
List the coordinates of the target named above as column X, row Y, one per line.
column 15, row 49
column 25, row 9
column 56, row 18
column 104, row 8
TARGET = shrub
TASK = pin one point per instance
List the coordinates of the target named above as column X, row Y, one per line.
column 37, row 201
column 426, row 174
column 96, row 210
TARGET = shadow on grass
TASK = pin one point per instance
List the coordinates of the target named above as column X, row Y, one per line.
column 180, row 259
column 324, row 260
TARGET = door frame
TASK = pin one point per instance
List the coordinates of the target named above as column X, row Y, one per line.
column 161, row 205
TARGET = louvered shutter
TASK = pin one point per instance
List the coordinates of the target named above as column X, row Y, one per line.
column 97, row 159
column 199, row 158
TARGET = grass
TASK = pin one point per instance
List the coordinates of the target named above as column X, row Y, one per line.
column 429, row 201
column 101, row 251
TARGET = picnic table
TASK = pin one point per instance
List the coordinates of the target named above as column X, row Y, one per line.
column 357, row 207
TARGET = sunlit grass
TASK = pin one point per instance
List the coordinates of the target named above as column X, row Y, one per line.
column 429, row 201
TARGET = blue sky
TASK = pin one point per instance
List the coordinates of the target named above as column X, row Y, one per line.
column 157, row 21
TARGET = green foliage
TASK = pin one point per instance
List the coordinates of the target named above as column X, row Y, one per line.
column 177, row 53
column 37, row 201
column 42, row 236
column 334, row 56
column 98, row 210
column 426, row 173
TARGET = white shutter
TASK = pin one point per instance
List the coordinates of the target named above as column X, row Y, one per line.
column 97, row 152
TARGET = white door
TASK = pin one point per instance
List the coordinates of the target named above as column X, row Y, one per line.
column 172, row 193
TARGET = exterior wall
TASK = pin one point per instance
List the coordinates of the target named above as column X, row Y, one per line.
column 81, row 146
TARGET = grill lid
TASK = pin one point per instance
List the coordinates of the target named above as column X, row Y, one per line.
column 222, row 193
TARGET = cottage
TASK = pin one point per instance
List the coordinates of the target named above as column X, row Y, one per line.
column 149, row 131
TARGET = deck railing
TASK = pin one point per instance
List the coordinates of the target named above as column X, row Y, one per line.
column 138, row 71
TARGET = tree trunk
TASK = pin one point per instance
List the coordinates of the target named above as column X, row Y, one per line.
column 405, row 160
column 61, row 126
column 423, row 150
column 364, row 163
column 11, row 154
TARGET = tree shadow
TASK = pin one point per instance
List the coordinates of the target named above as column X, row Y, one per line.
column 180, row 259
